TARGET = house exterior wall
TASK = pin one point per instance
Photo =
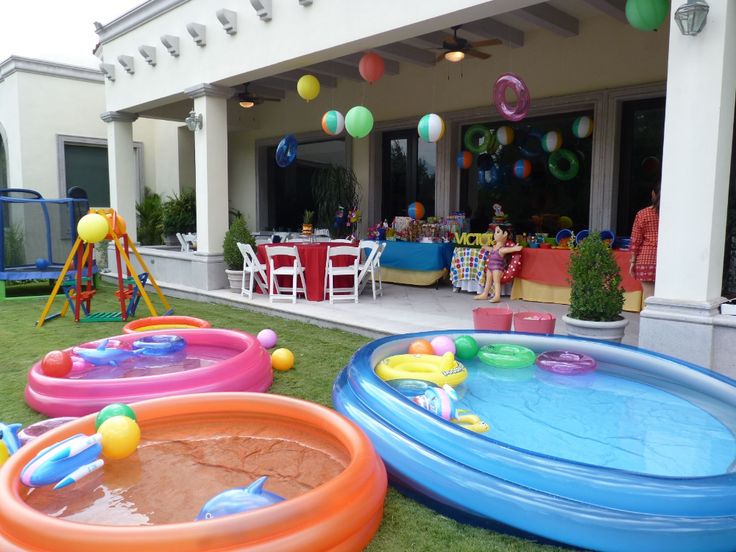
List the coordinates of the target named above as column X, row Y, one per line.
column 10, row 129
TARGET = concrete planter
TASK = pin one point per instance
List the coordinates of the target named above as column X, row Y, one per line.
column 606, row 331
column 235, row 277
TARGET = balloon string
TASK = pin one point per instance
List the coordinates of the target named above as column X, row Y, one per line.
column 365, row 85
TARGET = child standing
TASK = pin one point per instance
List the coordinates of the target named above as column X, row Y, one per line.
column 495, row 263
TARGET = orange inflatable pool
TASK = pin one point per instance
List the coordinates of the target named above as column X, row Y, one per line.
column 192, row 448
column 165, row 323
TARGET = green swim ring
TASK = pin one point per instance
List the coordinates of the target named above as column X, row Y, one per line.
column 573, row 165
column 471, row 139
column 505, row 355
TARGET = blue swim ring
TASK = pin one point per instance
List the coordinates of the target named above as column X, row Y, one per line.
column 159, row 345
column 286, row 151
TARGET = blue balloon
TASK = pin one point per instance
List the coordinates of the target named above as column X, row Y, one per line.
column 286, row 151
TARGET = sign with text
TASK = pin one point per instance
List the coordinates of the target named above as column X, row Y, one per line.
column 471, row 239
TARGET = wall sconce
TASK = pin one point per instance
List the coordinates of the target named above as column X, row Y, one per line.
column 194, row 121
column 690, row 17
column 454, row 56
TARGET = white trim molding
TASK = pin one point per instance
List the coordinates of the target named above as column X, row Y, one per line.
column 49, row 69
column 206, row 89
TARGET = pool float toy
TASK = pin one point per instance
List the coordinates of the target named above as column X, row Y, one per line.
column 468, row 420
column 9, row 437
column 505, row 355
column 566, row 362
column 65, row 462
column 518, row 86
column 243, row 499
column 165, row 323
column 470, row 140
column 103, row 354
column 4, row 454
column 336, row 509
column 31, row 432
column 158, row 345
column 286, row 151
column 440, row 401
column 438, row 370
column 553, row 164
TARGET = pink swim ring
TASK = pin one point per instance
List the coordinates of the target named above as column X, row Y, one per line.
column 566, row 363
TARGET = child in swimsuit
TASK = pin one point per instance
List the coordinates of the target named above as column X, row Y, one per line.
column 495, row 263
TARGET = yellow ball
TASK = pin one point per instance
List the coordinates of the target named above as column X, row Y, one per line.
column 282, row 360
column 92, row 228
column 308, row 87
column 120, row 437
column 4, row 455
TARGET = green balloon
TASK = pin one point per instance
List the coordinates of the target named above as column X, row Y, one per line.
column 114, row 409
column 646, row 15
column 466, row 348
column 359, row 122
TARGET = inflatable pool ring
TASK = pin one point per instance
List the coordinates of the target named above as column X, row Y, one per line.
column 520, row 89
column 409, row 387
column 159, row 345
column 566, row 363
column 531, row 144
column 432, row 368
column 286, row 151
column 64, row 462
column 470, row 421
column 440, row 401
column 472, row 135
column 553, row 164
column 165, row 323
column 504, row 355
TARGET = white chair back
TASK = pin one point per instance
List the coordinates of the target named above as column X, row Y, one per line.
column 294, row 269
column 254, row 269
column 372, row 266
column 331, row 270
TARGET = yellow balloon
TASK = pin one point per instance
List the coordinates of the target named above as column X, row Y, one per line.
column 120, row 437
column 282, row 360
column 308, row 87
column 92, row 228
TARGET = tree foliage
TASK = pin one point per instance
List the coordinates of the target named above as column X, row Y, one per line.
column 595, row 291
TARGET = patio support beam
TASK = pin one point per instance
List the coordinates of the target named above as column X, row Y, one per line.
column 121, row 163
column 293, row 76
column 210, row 166
column 410, row 54
column 333, row 69
column 490, row 28
column 550, row 18
column 614, row 8
column 390, row 67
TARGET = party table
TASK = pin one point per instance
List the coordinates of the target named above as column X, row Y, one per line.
column 313, row 257
column 544, row 278
column 419, row 264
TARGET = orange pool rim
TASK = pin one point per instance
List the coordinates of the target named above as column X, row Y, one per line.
column 341, row 514
column 164, row 323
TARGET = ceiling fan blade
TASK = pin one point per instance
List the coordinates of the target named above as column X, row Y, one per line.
column 270, row 99
column 440, row 58
column 489, row 42
column 478, row 54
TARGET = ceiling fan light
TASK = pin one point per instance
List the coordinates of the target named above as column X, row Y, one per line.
column 454, row 56
column 247, row 104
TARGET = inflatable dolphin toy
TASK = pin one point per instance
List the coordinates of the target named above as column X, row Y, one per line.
column 65, row 462
column 241, row 499
column 102, row 354
column 9, row 437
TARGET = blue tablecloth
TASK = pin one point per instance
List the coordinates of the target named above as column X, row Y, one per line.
column 417, row 256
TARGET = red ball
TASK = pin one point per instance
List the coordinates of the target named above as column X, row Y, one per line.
column 56, row 364
column 371, row 67
column 421, row 347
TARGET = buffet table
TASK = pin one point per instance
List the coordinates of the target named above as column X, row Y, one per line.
column 419, row 264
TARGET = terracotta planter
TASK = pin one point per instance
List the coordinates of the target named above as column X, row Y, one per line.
column 606, row 331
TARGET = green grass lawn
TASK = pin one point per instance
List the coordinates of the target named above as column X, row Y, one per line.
column 320, row 354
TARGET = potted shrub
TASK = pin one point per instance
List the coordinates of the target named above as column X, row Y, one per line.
column 596, row 295
column 238, row 232
column 307, row 227
column 150, row 218
column 179, row 215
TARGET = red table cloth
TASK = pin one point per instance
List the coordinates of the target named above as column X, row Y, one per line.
column 314, row 260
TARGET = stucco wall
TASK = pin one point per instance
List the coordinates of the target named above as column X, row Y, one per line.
column 10, row 128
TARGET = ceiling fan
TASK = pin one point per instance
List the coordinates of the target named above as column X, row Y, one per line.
column 456, row 48
column 248, row 99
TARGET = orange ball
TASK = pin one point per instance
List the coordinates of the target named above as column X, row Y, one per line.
column 421, row 347
column 56, row 364
column 120, row 226
column 282, row 360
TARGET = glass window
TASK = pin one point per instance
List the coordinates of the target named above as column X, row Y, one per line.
column 86, row 168
column 539, row 191
column 408, row 173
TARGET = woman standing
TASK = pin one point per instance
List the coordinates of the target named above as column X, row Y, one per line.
column 644, row 245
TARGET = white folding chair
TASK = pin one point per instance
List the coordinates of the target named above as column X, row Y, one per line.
column 295, row 270
column 372, row 266
column 182, row 242
column 254, row 269
column 331, row 271
column 190, row 239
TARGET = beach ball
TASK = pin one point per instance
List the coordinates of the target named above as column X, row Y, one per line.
column 42, row 264
column 416, row 210
column 464, row 159
column 92, row 228
column 646, row 15
column 359, row 121
column 505, row 135
column 56, row 364
column 522, row 169
column 466, row 348
column 421, row 347
column 267, row 338
column 282, row 360
column 308, row 87
column 552, row 141
column 371, row 67
column 120, row 437
column 112, row 410
column 333, row 122
column 582, row 127
column 431, row 127
column 442, row 344
column 120, row 226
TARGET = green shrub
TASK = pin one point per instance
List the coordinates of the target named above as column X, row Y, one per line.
column 595, row 282
column 238, row 232
column 150, row 218
column 180, row 213
column 14, row 247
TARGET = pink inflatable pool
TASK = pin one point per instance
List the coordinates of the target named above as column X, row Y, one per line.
column 139, row 366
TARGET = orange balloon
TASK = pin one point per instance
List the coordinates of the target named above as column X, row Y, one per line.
column 421, row 347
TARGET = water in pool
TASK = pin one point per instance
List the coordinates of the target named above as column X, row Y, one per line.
column 600, row 419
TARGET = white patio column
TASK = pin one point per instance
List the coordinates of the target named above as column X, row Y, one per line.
column 210, row 160
column 121, row 166
column 699, row 118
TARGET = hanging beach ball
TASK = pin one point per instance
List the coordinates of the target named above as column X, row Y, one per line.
column 333, row 123
column 416, row 210
column 646, row 15
column 582, row 127
column 92, row 228
column 431, row 127
column 308, row 87
column 464, row 159
column 522, row 169
column 505, row 135
column 371, row 67
column 359, row 121
column 552, row 141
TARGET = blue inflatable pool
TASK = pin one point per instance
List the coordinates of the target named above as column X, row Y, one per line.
column 638, row 455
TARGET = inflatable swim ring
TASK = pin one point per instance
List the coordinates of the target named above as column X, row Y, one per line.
column 286, row 151
column 553, row 164
column 566, row 362
column 159, row 345
column 503, row 355
column 165, row 323
column 432, row 368
column 471, row 139
column 521, row 109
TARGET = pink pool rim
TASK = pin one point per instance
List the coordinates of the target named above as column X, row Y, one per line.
column 247, row 370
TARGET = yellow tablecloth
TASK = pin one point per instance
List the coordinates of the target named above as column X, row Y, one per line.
column 543, row 293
